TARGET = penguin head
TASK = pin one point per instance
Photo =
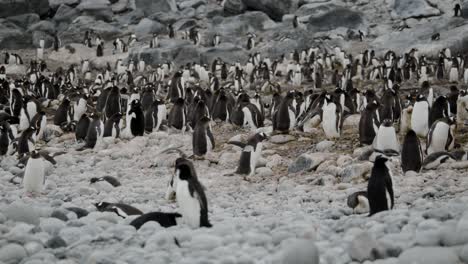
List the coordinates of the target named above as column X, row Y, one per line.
column 94, row 180
column 261, row 136
column 101, row 205
column 421, row 98
column 381, row 160
column 387, row 123
column 184, row 169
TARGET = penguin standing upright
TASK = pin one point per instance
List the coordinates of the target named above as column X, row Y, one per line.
column 178, row 115
column 6, row 137
column 95, row 131
column 284, row 117
column 441, row 136
column 332, row 118
column 190, row 195
column 111, row 127
column 39, row 121
column 26, row 141
column 380, row 187
column 63, row 114
column 202, row 137
column 99, row 51
column 34, row 173
column 137, row 119
column 457, row 10
column 29, row 110
column 80, row 107
column 386, row 138
column 369, row 123
column 412, row 155
column 440, row 109
column 82, row 128
column 113, row 103
column 420, row 116
column 250, row 154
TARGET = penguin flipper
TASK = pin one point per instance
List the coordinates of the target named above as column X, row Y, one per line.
column 389, row 184
column 47, row 157
column 238, row 143
column 23, row 160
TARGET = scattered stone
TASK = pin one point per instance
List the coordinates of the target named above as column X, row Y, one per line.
column 428, row 255
column 22, row 213
column 364, row 247
column 12, row 253
column 301, row 252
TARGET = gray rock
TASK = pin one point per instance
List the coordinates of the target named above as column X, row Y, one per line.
column 177, row 51
column 355, row 172
column 22, row 213
column 281, row 139
column 41, row 35
column 229, row 52
column 56, row 3
column 324, row 146
column 414, row 8
column 428, row 255
column 301, row 252
column 19, row 7
column 66, row 13
column 56, row 242
column 24, row 20
column 234, row 7
column 70, row 234
column 12, row 253
column 44, row 25
column 364, row 247
column 441, row 214
column 148, row 27
column 274, row 9
column 74, row 32
column 338, row 17
column 463, row 254
column 131, row 18
column 33, row 247
column 12, row 36
column 121, row 6
column 241, row 25
column 51, row 225
column 307, row 162
column 192, row 3
column 59, row 215
column 152, row 6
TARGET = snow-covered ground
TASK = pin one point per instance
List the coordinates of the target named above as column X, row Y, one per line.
column 273, row 218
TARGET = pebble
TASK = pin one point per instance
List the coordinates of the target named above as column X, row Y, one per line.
column 12, row 253
column 301, row 252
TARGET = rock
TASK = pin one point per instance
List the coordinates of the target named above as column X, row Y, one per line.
column 51, row 225
column 74, row 32
column 336, row 18
column 414, row 8
column 308, row 162
column 121, row 6
column 363, row 247
column 178, row 51
column 148, row 27
column 24, row 20
column 281, row 139
column 12, row 36
column 22, row 213
column 41, row 35
column 324, row 146
column 70, row 234
column 59, row 215
column 356, row 172
column 152, row 6
column 18, row 7
column 33, row 247
column 44, row 25
column 56, row 242
column 441, row 214
column 241, row 25
column 301, row 252
column 234, row 7
column 263, row 172
column 192, row 3
column 206, row 242
column 131, row 18
column 56, row 3
column 12, row 253
column 274, row 9
column 229, row 52
column 99, row 9
column 66, row 14
column 428, row 255
column 464, row 253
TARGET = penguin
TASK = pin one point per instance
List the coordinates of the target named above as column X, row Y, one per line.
column 164, row 219
column 122, row 210
column 190, row 195
column 154, row 43
column 178, row 115
column 435, row 37
column 440, row 109
column 420, row 116
column 34, row 173
column 113, row 103
column 111, row 127
column 250, row 154
column 26, row 141
column 80, row 107
column 137, row 119
column 457, row 10
column 358, row 202
column 332, row 118
column 295, row 22
column 251, row 42
column 284, row 117
column 155, row 116
column 221, row 108
column 460, row 155
column 171, row 32
column 81, row 129
column 95, row 131
column 202, row 137
column 435, row 159
column 369, row 123
column 361, row 35
column 29, row 110
column 99, row 51
column 216, row 41
column 380, row 187
column 39, row 121
column 6, row 137
column 386, row 138
column 412, row 155
column 113, row 181
column 63, row 114
column 441, row 136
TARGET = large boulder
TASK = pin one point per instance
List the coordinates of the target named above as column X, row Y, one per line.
column 175, row 50
column 24, row 20
column 99, row 9
column 121, row 6
column 414, row 8
column 18, row 7
column 56, row 3
column 66, row 14
column 74, row 32
column 147, row 27
column 234, row 7
column 37, row 36
column 13, row 37
column 43, row 25
column 273, row 8
column 229, row 52
column 336, row 18
column 242, row 24
column 153, row 6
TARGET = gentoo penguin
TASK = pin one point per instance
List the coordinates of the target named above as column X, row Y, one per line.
column 63, row 115
column 137, row 119
column 222, row 107
column 26, row 141
column 420, row 116
column 457, row 10
column 386, row 138
column 34, row 173
column 82, row 128
column 39, row 121
column 216, row 40
column 29, row 110
column 113, row 102
column 154, row 43
column 111, row 127
column 435, row 37
column 155, row 116
column 380, row 187
column 95, row 131
column 358, row 202
column 284, row 117
column 164, row 219
column 332, row 118
column 6, row 137
column 80, row 107
column 178, row 116
column 435, row 159
column 113, row 181
column 369, row 123
column 190, row 195
column 99, row 51
column 412, row 155
column 202, row 137
column 250, row 154
column 440, row 109
column 460, row 155
column 251, row 41
column 122, row 210
column 441, row 136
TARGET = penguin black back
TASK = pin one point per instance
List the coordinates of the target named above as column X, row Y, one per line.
column 411, row 153
column 164, row 219
column 380, row 183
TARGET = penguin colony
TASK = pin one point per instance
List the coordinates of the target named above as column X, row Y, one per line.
column 313, row 87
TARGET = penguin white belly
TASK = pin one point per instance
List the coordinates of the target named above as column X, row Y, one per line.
column 24, row 121
column 40, row 134
column 405, row 122
column 292, row 119
column 420, row 119
column 453, row 76
column 465, row 76
column 386, row 139
column 162, row 113
column 189, row 206
column 209, row 146
column 389, row 200
column 329, row 121
column 363, row 205
column 439, row 138
column 33, row 180
column 255, row 155
column 79, row 110
column 248, row 119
